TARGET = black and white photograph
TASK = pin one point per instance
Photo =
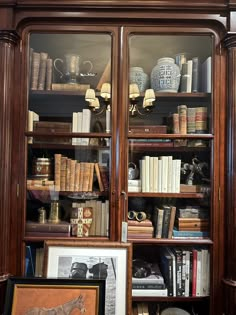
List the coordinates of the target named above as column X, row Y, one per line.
column 104, row 261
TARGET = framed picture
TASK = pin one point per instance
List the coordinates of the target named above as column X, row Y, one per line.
column 103, row 157
column 32, row 296
column 94, row 260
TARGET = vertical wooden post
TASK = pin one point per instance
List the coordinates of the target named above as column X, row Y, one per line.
column 230, row 228
column 8, row 41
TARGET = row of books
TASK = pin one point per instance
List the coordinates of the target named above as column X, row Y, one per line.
column 159, row 174
column 81, row 122
column 100, row 216
column 185, row 270
column 195, row 76
column 164, row 218
column 190, row 120
column 71, row 175
column 41, row 66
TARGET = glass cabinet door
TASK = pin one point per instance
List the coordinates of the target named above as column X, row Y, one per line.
column 68, row 135
column 170, row 160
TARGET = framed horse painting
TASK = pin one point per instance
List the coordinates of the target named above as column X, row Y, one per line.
column 40, row 296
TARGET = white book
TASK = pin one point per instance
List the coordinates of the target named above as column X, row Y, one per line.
column 108, row 119
column 208, row 274
column 151, row 177
column 177, row 175
column 134, row 182
column 207, row 75
column 103, row 210
column 187, row 273
column 155, row 174
column 134, row 189
column 159, row 187
column 204, row 270
column 74, row 126
column 86, row 122
column 170, row 174
column 147, row 172
column 189, row 75
column 79, row 125
column 107, row 218
column 143, row 174
column 199, row 273
column 164, row 177
column 173, row 180
column 149, row 292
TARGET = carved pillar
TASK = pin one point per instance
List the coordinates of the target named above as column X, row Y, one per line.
column 8, row 41
column 230, row 228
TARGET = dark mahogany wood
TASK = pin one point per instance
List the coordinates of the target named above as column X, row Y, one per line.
column 216, row 16
column 229, row 279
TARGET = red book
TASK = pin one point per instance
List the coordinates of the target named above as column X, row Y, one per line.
column 194, row 273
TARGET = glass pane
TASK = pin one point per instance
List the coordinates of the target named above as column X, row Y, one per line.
column 68, row 176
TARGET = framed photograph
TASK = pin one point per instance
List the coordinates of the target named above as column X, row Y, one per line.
column 110, row 261
column 103, row 157
column 32, row 296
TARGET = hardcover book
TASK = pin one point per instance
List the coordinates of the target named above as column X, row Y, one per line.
column 61, row 227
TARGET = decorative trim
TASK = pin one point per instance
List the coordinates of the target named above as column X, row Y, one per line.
column 9, row 36
column 4, row 277
column 230, row 40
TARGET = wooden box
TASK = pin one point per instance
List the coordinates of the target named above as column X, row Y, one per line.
column 50, row 127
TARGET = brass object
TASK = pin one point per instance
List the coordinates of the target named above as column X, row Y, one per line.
column 42, row 215
column 54, row 215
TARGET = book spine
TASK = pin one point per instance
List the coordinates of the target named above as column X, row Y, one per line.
column 194, row 272
column 49, row 74
column 42, row 71
column 147, row 286
column 62, row 228
column 172, row 221
column 166, row 222
column 196, row 74
column 191, row 120
column 35, row 70
column 57, row 171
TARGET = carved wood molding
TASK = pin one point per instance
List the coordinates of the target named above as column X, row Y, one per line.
column 9, row 36
column 230, row 40
column 229, row 282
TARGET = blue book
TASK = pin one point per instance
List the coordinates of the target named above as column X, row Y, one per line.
column 187, row 234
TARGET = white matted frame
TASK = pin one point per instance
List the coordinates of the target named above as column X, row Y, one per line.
column 116, row 257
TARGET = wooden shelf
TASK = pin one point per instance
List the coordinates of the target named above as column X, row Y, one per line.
column 165, row 241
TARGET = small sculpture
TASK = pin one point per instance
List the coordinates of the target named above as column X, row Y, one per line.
column 195, row 172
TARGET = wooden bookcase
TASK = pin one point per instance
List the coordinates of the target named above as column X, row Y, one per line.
column 116, row 37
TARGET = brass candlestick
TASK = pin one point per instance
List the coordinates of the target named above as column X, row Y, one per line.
column 54, row 215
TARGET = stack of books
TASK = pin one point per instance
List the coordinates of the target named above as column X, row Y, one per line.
column 151, row 285
column 191, row 222
column 62, row 229
column 142, row 229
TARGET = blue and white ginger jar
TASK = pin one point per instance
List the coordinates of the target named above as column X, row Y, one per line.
column 138, row 76
column 165, row 76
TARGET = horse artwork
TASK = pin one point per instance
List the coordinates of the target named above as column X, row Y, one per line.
column 63, row 309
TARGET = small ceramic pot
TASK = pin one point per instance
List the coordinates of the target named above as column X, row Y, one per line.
column 138, row 76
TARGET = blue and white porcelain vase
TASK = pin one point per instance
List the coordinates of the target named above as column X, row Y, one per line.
column 138, row 76
column 165, row 76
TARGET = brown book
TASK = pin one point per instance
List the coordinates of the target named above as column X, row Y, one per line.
column 176, row 123
column 98, row 174
column 51, row 127
column 49, row 74
column 70, row 87
column 140, row 229
column 172, row 221
column 201, row 119
column 82, row 170
column 77, row 176
column 57, row 171
column 35, row 70
column 90, row 188
column 105, row 77
column 63, row 173
column 148, row 129
column 86, row 176
column 182, row 111
column 39, row 182
column 42, row 70
column 61, row 227
column 150, row 144
column 47, row 234
column 72, row 175
column 68, row 176
column 104, row 176
column 146, row 222
column 140, row 235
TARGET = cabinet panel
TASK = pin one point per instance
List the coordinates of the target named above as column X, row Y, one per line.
column 170, row 136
